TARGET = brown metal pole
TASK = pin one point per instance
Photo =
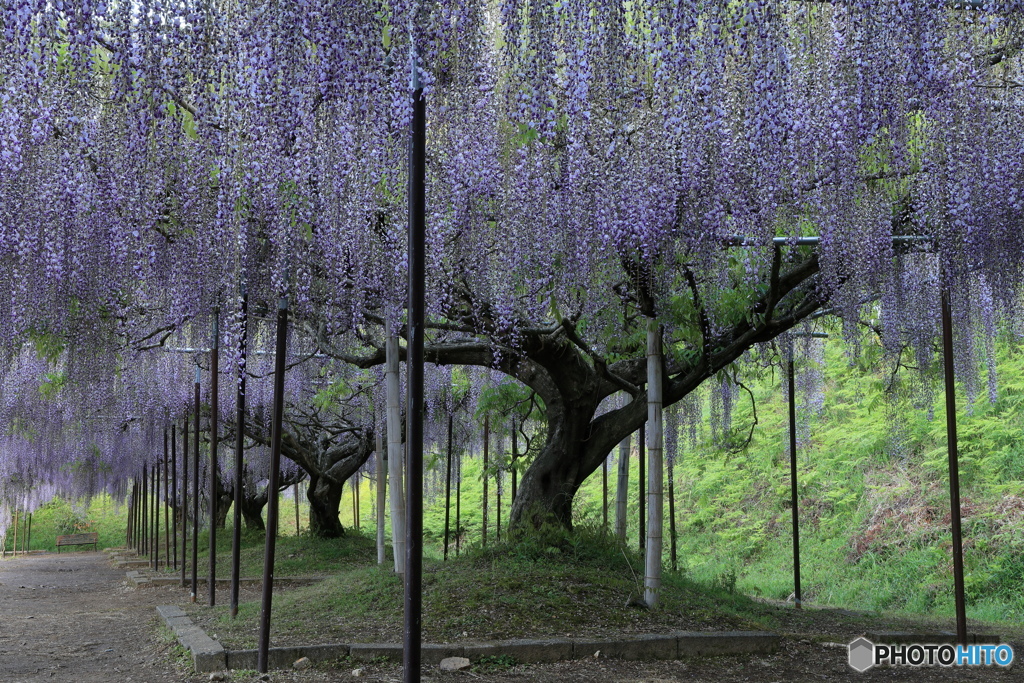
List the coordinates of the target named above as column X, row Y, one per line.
column 128, row 522
column 413, row 621
column 487, row 434
column 458, row 503
column 236, row 532
column 295, row 494
column 174, row 496
column 184, row 499
column 604, row 494
column 448, row 488
column 214, row 376
column 954, row 467
column 156, row 516
column 791, row 384
column 166, row 505
column 144, row 519
column 195, row 492
column 270, row 544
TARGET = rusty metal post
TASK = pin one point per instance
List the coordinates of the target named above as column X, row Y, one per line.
column 487, row 433
column 156, row 516
column 954, row 467
column 448, row 488
column 174, row 495
column 184, row 499
column 791, row 383
column 236, row 533
column 167, row 503
column 195, row 491
column 214, row 376
column 413, row 625
column 270, row 544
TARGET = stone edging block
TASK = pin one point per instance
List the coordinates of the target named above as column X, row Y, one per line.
column 209, row 655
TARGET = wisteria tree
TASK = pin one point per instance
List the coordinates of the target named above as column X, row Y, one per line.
column 596, row 170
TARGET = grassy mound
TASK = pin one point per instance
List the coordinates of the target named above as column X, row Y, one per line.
column 549, row 584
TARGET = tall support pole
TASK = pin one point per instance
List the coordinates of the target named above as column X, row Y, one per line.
column 641, row 482
column 295, row 496
column 184, row 499
column 17, row 518
column 622, row 491
column 174, row 494
column 236, row 532
column 954, row 466
column 28, row 534
column 791, row 387
column 145, row 510
column 214, row 474
column 414, row 411
column 396, row 450
column 270, row 544
column 655, row 466
column 131, row 516
column 156, row 516
column 487, row 441
column 195, row 491
column 382, row 478
column 167, row 501
column 448, row 488
column 458, row 503
column 604, row 496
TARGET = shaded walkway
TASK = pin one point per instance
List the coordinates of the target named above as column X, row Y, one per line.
column 70, row 618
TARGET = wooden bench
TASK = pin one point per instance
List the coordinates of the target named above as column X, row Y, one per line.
column 78, row 539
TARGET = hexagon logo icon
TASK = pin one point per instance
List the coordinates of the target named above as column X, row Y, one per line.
column 862, row 655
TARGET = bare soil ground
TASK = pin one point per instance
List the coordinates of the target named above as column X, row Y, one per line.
column 72, row 618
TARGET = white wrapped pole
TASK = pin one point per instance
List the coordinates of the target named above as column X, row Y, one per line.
column 655, row 486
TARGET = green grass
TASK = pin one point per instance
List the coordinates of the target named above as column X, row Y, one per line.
column 100, row 514
column 551, row 584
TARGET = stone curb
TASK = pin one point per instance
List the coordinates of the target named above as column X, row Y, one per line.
column 209, row 655
column 141, row 579
column 939, row 638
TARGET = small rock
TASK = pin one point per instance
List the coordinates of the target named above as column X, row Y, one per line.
column 357, row 673
column 218, row 676
column 597, row 654
column 301, row 664
column 454, row 663
column 265, row 677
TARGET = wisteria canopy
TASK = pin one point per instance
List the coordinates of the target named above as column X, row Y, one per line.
column 592, row 165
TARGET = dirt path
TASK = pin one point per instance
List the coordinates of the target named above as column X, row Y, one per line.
column 70, row 618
